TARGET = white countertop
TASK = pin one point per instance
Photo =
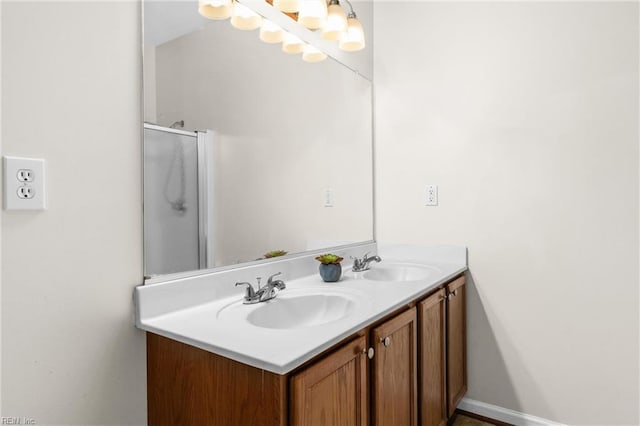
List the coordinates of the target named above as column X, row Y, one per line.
column 282, row 350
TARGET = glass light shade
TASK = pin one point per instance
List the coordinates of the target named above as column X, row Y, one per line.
column 215, row 9
column 312, row 13
column 270, row 32
column 288, row 6
column 244, row 18
column 313, row 54
column 292, row 43
column 336, row 23
column 352, row 39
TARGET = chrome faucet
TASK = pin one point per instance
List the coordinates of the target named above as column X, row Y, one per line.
column 268, row 292
column 360, row 265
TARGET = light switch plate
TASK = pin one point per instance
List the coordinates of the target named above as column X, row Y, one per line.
column 328, row 197
column 23, row 183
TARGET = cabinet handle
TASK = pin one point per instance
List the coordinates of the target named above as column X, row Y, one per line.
column 452, row 294
column 368, row 352
column 386, row 341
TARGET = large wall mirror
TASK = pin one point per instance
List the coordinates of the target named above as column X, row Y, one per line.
column 248, row 152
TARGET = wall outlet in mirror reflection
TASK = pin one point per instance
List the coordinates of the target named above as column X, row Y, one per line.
column 328, row 197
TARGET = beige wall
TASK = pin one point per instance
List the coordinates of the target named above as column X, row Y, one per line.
column 71, row 95
column 526, row 116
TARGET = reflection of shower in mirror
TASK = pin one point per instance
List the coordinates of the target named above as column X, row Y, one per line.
column 175, row 173
column 177, row 198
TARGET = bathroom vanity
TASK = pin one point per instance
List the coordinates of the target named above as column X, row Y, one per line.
column 381, row 347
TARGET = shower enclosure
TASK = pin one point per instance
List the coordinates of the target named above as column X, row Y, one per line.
column 178, row 186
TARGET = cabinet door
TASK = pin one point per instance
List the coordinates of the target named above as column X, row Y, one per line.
column 333, row 391
column 432, row 360
column 395, row 371
column 456, row 344
column 188, row 386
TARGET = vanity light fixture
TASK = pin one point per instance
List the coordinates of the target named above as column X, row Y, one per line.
column 336, row 22
column 287, row 6
column 292, row 44
column 312, row 54
column 270, row 32
column 312, row 13
column 326, row 16
column 353, row 39
column 244, row 18
column 215, row 9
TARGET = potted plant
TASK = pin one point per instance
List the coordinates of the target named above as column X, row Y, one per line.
column 274, row 253
column 330, row 268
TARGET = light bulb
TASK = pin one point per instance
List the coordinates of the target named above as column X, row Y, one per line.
column 313, row 54
column 287, row 6
column 270, row 32
column 336, row 22
column 292, row 43
column 214, row 9
column 352, row 39
column 312, row 13
column 244, row 18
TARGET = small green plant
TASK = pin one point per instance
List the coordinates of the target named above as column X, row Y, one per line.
column 329, row 258
column 275, row 253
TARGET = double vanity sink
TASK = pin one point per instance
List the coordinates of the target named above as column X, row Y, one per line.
column 311, row 306
column 302, row 321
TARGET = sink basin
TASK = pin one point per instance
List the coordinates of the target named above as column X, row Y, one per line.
column 294, row 309
column 301, row 311
column 400, row 272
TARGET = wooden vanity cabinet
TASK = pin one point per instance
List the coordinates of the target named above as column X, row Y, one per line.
column 333, row 391
column 433, row 359
column 405, row 370
column 442, row 354
column 456, row 343
column 190, row 386
column 394, row 371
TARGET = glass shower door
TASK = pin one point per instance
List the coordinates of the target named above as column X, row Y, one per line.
column 172, row 226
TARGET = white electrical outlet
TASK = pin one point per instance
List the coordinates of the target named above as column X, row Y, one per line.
column 23, row 183
column 431, row 195
column 25, row 175
column 26, row 192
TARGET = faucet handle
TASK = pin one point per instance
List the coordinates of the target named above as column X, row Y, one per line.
column 250, row 291
column 270, row 279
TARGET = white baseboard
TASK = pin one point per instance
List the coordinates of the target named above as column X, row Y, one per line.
column 503, row 414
